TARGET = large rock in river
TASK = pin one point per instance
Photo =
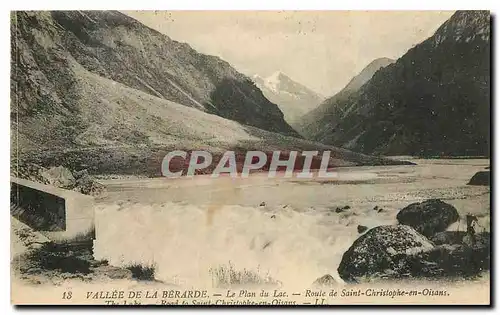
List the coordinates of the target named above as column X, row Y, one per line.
column 395, row 252
column 448, row 237
column 428, row 217
column 382, row 252
column 86, row 185
column 480, row 178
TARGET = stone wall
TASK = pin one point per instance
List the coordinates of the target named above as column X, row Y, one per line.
column 57, row 213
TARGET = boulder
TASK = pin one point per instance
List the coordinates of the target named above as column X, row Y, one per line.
column 29, row 171
column 81, row 174
column 380, row 251
column 428, row 217
column 59, row 177
column 480, row 179
column 325, row 281
column 114, row 272
column 86, row 185
column 460, row 253
column 396, row 252
column 362, row 228
column 341, row 209
column 378, row 209
column 479, row 242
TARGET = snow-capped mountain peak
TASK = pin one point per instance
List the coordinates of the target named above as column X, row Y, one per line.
column 272, row 82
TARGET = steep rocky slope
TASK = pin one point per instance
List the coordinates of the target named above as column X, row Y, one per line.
column 120, row 130
column 293, row 98
column 322, row 117
column 435, row 100
column 54, row 53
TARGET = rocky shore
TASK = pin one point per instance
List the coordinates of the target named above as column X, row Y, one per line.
column 58, row 176
column 418, row 247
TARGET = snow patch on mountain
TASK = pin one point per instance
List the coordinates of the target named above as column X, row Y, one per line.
column 294, row 99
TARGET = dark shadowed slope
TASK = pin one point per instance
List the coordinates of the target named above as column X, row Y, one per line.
column 313, row 123
column 48, row 45
column 435, row 100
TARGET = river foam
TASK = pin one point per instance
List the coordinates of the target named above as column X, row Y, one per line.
column 186, row 241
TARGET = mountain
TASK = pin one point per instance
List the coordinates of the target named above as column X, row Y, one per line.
column 98, row 90
column 366, row 74
column 50, row 45
column 434, row 100
column 293, row 98
column 316, row 120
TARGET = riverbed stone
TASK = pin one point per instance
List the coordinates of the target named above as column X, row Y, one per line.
column 467, row 259
column 362, row 228
column 399, row 251
column 86, row 185
column 448, row 237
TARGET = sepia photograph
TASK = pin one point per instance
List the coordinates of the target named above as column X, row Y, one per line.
column 250, row 158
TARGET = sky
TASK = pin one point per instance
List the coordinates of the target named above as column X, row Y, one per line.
column 321, row 49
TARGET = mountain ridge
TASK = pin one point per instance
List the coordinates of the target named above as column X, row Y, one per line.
column 120, row 48
column 310, row 124
column 293, row 98
column 433, row 101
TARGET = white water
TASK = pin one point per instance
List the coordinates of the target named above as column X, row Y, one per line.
column 185, row 227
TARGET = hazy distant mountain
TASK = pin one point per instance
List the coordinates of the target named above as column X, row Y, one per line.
column 99, row 90
column 435, row 100
column 314, row 121
column 293, row 98
column 367, row 73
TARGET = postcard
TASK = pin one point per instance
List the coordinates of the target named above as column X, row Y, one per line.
column 250, row 158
